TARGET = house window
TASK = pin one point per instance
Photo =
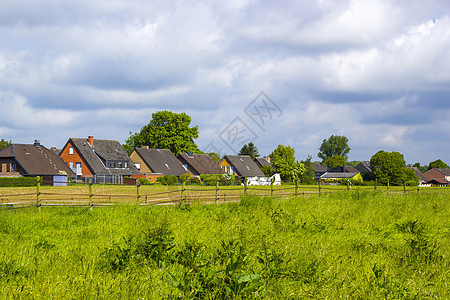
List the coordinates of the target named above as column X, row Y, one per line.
column 119, row 165
column 112, row 165
column 70, row 150
column 138, row 165
column 13, row 167
column 78, row 170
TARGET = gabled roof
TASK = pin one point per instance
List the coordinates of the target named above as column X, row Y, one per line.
column 36, row 160
column 344, row 169
column 244, row 165
column 261, row 162
column 418, row 173
column 439, row 181
column 106, row 150
column 446, row 172
column 201, row 163
column 330, row 175
column 363, row 167
column 161, row 161
column 319, row 168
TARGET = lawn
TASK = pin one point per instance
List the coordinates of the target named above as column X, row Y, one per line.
column 357, row 244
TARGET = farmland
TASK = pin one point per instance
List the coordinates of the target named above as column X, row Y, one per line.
column 355, row 244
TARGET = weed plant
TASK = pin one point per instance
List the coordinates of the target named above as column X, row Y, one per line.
column 362, row 245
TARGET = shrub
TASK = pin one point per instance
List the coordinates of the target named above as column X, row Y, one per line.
column 18, row 181
column 167, row 180
column 143, row 181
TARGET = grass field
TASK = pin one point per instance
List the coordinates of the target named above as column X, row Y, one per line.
column 357, row 244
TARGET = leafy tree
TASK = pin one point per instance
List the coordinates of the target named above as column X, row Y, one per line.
column 421, row 168
column 250, row 150
column 335, row 161
column 309, row 170
column 268, row 170
column 283, row 161
column 439, row 164
column 215, row 156
column 4, row 144
column 166, row 130
column 335, row 145
column 411, row 177
column 389, row 166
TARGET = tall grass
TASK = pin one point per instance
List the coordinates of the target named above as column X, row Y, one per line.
column 350, row 245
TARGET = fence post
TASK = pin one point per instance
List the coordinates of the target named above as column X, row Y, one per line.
column 320, row 186
column 138, row 194
column 375, row 186
column 245, row 186
column 404, row 187
column 271, row 187
column 217, row 190
column 348, row 185
column 38, row 193
column 183, row 190
column 91, row 204
column 296, row 187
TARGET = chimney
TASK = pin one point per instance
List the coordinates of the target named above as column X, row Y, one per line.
column 268, row 158
column 144, row 146
column 91, row 140
column 37, row 143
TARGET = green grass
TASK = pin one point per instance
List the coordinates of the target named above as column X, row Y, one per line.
column 346, row 245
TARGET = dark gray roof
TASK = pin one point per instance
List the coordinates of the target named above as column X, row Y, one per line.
column 319, row 168
column 343, row 169
column 244, row 165
column 36, row 160
column 418, row 173
column 161, row 161
column 338, row 175
column 261, row 162
column 363, row 167
column 98, row 155
column 201, row 163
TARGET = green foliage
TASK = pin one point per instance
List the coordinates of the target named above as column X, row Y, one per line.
column 211, row 179
column 186, row 177
column 411, row 178
column 4, row 144
column 167, row 180
column 335, row 161
column 309, row 173
column 166, row 130
column 356, row 244
column 18, row 181
column 335, row 145
column 389, row 166
column 283, row 161
column 421, row 168
column 268, row 170
column 439, row 164
column 143, row 181
column 215, row 156
column 250, row 150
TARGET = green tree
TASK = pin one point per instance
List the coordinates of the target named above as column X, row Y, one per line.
column 335, row 145
column 335, row 161
column 250, row 150
column 309, row 173
column 283, row 161
column 166, row 130
column 421, row 168
column 4, row 144
column 439, row 164
column 389, row 166
column 268, row 170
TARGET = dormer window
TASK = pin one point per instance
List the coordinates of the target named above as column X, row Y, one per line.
column 70, row 150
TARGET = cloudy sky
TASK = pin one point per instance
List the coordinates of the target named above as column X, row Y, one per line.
column 290, row 72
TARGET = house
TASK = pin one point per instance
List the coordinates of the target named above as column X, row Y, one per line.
column 438, row 182
column 240, row 166
column 262, row 161
column 337, row 176
column 437, row 173
column 34, row 160
column 102, row 161
column 363, row 167
column 319, row 169
column 156, row 161
column 198, row 164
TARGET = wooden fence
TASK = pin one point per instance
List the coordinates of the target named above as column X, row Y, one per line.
column 105, row 195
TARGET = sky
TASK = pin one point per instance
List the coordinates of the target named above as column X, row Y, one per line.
column 270, row 72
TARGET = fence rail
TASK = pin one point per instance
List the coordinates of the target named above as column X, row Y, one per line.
column 85, row 194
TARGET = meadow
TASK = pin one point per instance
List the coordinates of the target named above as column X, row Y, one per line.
column 347, row 244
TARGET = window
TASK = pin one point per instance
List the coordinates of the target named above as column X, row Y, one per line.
column 13, row 167
column 79, row 172
column 119, row 165
column 70, row 150
column 112, row 165
column 71, row 164
column 138, row 165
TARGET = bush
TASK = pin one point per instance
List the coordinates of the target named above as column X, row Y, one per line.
column 167, row 180
column 224, row 179
column 143, row 181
